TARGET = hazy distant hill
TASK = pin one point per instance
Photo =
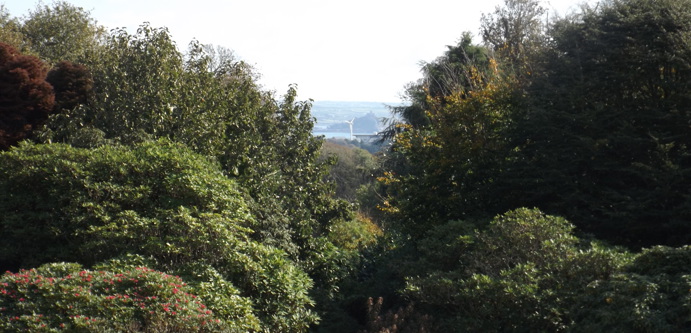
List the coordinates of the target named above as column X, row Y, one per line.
column 367, row 124
column 332, row 116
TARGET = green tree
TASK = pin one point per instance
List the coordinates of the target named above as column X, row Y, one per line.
column 10, row 30
column 515, row 32
column 444, row 170
column 603, row 140
column 60, row 32
column 26, row 98
column 145, row 88
column 447, row 75
column 352, row 168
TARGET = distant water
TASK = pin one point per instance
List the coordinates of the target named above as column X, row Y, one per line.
column 329, row 135
column 338, row 112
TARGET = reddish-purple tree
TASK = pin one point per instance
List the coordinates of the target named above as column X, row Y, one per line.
column 72, row 84
column 26, row 98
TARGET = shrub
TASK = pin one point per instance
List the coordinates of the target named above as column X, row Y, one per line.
column 160, row 201
column 78, row 205
column 651, row 294
column 521, row 273
column 64, row 297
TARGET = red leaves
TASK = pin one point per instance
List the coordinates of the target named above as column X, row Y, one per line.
column 72, row 84
column 25, row 97
column 84, row 297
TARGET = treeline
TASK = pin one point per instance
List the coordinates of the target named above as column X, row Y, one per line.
column 585, row 117
column 146, row 189
column 140, row 155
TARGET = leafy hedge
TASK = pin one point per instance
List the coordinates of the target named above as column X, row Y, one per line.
column 157, row 201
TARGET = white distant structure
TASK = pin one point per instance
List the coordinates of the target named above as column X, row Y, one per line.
column 369, row 138
column 350, row 123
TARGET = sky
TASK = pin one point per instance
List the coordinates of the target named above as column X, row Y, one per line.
column 334, row 50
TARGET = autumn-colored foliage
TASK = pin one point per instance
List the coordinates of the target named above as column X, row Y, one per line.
column 26, row 98
column 72, row 84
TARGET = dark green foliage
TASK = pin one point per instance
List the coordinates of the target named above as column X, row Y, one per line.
column 158, row 200
column 25, row 97
column 605, row 141
column 591, row 126
column 586, row 118
column 520, row 274
column 651, row 294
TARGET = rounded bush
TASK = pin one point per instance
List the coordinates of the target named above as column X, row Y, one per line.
column 64, row 297
column 157, row 200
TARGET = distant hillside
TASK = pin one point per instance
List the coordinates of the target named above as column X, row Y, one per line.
column 367, row 124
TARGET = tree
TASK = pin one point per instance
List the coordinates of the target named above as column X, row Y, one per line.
column 10, row 32
column 515, row 32
column 145, row 88
column 26, row 98
column 602, row 141
column 446, row 75
column 351, row 169
column 72, row 85
column 446, row 169
column 61, row 32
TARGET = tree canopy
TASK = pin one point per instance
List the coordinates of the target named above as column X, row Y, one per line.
column 605, row 140
column 157, row 200
column 163, row 189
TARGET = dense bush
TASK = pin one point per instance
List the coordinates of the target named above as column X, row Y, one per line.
column 520, row 274
column 158, row 200
column 651, row 294
column 68, row 298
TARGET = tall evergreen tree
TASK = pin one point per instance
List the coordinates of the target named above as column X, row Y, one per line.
column 607, row 141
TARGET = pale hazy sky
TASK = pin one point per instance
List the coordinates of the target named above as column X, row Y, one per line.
column 343, row 50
